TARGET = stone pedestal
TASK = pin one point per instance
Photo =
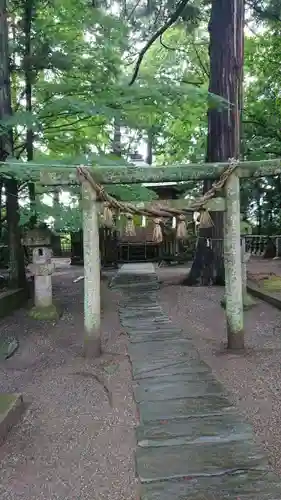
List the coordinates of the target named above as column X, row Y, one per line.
column 43, row 290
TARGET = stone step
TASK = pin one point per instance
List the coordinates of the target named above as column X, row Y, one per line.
column 166, row 391
column 192, row 444
column 153, row 329
column 184, row 408
column 152, row 322
column 203, row 459
column 213, row 429
column 155, row 336
column 166, row 348
column 248, row 485
column 150, row 368
column 180, row 377
column 148, row 313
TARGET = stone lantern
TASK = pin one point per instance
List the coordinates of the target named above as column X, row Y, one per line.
column 38, row 240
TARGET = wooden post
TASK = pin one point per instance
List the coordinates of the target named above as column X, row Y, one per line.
column 244, row 261
column 277, row 243
column 248, row 301
column 92, row 341
column 232, row 262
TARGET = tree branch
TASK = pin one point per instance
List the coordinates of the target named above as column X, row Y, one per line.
column 174, row 17
column 201, row 64
column 264, row 14
column 180, row 49
column 133, row 10
column 21, row 150
column 274, row 132
column 65, row 125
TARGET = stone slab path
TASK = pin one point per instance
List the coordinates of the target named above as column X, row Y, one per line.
column 192, row 444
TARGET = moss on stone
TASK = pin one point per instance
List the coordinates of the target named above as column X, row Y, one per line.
column 272, row 284
column 248, row 302
column 49, row 313
column 11, row 409
column 6, row 401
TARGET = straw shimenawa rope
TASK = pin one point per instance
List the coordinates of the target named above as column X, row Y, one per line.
column 84, row 174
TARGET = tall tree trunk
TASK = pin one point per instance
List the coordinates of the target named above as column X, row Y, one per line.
column 17, row 270
column 1, row 201
column 259, row 206
column 17, row 277
column 6, row 138
column 117, row 149
column 56, row 204
column 226, row 49
column 116, row 143
column 28, row 76
column 56, row 236
column 149, row 151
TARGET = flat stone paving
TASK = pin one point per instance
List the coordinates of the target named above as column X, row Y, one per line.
column 192, row 444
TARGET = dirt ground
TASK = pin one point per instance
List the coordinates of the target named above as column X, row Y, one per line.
column 253, row 379
column 76, row 439
column 258, row 265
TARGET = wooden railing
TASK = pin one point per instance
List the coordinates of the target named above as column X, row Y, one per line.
column 114, row 251
column 260, row 245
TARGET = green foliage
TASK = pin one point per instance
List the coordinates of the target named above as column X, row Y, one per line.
column 79, row 56
column 262, row 116
column 262, row 125
column 74, row 57
column 78, row 81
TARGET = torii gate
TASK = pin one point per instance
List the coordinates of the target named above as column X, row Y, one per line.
column 66, row 175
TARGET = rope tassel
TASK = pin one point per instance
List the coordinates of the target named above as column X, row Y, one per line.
column 157, row 235
column 130, row 229
column 181, row 233
column 205, row 220
column 107, row 215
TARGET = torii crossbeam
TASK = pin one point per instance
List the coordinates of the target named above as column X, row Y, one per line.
column 58, row 174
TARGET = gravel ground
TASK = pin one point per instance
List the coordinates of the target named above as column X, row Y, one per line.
column 253, row 379
column 257, row 266
column 76, row 439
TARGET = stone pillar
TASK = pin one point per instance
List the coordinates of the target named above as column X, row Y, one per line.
column 232, row 262
column 91, row 251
